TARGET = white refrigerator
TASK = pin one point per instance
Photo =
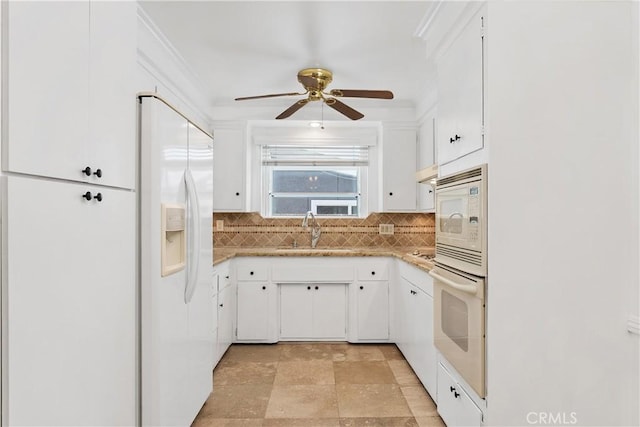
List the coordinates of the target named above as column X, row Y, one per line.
column 175, row 188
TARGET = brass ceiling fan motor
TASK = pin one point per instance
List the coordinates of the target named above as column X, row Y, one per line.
column 315, row 81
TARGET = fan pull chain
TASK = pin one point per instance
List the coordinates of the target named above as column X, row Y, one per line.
column 322, row 116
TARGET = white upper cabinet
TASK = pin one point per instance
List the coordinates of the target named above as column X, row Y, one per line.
column 426, row 158
column 69, row 91
column 460, row 94
column 398, row 169
column 229, row 170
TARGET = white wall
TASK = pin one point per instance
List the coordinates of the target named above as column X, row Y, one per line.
column 563, row 198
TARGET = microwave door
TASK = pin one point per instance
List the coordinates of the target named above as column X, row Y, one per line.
column 452, row 214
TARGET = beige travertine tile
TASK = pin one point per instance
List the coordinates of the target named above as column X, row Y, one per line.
column 237, row 373
column 390, row 352
column 403, row 372
column 305, row 372
column 371, row 400
column 379, row 422
column 296, row 351
column 251, row 353
column 227, row 422
column 237, row 401
column 297, row 422
column 419, row 401
column 430, row 422
column 364, row 372
column 356, row 352
column 303, row 401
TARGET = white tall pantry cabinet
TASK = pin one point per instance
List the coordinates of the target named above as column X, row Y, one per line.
column 68, row 213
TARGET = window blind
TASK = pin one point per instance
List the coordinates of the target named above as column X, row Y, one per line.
column 289, row 155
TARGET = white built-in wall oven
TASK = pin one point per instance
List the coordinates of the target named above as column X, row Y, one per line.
column 460, row 272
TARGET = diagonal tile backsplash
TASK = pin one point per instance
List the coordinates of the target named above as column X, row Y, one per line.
column 252, row 230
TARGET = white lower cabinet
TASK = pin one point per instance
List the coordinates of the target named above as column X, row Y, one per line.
column 226, row 314
column 313, row 311
column 414, row 327
column 454, row 404
column 253, row 311
column 372, row 310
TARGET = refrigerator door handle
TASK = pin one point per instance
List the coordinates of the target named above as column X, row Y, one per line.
column 193, row 238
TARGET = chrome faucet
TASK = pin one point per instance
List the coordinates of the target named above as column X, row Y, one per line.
column 315, row 228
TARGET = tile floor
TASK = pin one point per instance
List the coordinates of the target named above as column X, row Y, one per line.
column 316, row 385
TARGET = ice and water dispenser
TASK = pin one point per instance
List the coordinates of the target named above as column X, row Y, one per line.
column 174, row 239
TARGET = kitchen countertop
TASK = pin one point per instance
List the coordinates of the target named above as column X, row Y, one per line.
column 406, row 254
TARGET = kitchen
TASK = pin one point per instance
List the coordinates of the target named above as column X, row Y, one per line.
column 559, row 109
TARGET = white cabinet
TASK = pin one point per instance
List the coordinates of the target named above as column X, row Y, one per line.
column 460, row 94
column 372, row 310
column 369, row 304
column 414, row 311
column 426, row 158
column 313, row 311
column 229, row 169
column 69, row 273
column 70, row 98
column 454, row 404
column 226, row 314
column 398, row 168
column 253, row 311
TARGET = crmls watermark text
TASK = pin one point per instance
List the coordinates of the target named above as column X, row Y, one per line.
column 552, row 418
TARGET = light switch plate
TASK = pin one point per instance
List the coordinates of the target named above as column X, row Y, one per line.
column 385, row 229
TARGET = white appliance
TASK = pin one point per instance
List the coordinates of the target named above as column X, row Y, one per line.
column 461, row 225
column 460, row 274
column 176, row 264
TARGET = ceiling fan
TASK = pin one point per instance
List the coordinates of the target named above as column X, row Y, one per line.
column 315, row 80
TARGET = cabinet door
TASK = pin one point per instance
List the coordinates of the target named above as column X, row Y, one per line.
column 46, row 113
column 425, row 351
column 426, row 142
column 454, row 404
column 253, row 311
column 229, row 167
column 373, row 310
column 460, row 76
column 225, row 319
column 329, row 311
column 398, row 170
column 112, row 93
column 69, row 284
column 403, row 317
column 296, row 311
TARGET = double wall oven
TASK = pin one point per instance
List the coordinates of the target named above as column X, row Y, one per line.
column 460, row 273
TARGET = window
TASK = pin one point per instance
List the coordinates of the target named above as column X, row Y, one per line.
column 324, row 180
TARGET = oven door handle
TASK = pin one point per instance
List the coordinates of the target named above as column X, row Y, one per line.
column 470, row 289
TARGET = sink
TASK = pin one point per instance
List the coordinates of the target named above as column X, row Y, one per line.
column 312, row 250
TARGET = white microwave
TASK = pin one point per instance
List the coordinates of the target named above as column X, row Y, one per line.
column 461, row 220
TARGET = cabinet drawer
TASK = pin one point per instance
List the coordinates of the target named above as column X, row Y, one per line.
column 253, row 272
column 373, row 270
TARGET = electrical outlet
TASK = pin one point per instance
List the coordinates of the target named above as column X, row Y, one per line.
column 219, row 225
column 385, row 229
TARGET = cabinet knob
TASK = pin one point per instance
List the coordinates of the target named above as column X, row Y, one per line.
column 454, row 139
column 391, row 194
column 237, row 194
column 456, row 394
column 221, row 305
column 87, row 195
column 98, row 173
column 226, row 277
column 361, row 287
column 86, row 171
column 308, row 287
column 264, row 287
column 373, row 273
column 99, row 197
column 251, row 273
column 316, row 288
column 430, row 191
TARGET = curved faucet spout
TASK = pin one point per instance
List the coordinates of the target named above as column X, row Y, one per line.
column 315, row 228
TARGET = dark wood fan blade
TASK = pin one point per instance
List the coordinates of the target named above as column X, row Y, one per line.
column 273, row 95
column 344, row 109
column 295, row 107
column 351, row 93
column 309, row 82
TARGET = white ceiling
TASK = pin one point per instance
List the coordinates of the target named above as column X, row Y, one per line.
column 246, row 48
